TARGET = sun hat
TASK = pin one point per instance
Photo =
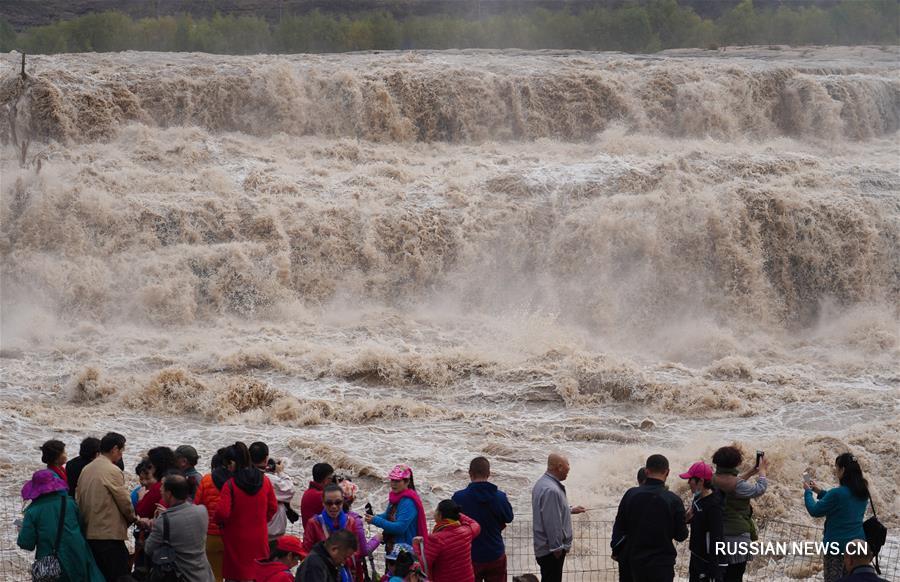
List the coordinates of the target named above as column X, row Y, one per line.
column 400, row 472
column 43, row 482
column 699, row 470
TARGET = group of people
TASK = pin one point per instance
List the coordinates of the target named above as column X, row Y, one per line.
column 231, row 523
column 720, row 516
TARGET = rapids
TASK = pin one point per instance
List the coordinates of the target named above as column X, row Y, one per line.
column 369, row 258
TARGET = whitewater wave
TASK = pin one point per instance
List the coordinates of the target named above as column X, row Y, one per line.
column 445, row 97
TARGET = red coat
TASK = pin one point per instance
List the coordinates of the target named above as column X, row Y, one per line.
column 244, row 521
column 272, row 572
column 311, row 504
column 448, row 551
column 146, row 507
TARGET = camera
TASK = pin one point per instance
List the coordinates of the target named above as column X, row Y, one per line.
column 759, row 456
column 270, row 465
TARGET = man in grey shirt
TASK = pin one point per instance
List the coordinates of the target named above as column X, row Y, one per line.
column 552, row 518
column 187, row 531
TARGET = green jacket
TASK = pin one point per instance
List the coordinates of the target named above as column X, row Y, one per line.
column 39, row 529
column 739, row 517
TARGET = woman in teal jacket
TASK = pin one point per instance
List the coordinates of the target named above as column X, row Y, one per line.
column 47, row 494
column 844, row 509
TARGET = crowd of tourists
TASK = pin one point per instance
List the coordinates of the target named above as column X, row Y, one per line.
column 231, row 523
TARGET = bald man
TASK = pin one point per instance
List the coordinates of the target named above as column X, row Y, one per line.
column 552, row 518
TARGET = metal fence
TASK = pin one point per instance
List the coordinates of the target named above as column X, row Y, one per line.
column 589, row 560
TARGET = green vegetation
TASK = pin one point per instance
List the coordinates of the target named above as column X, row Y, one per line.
column 637, row 27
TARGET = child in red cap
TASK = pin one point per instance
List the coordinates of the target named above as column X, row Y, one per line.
column 285, row 556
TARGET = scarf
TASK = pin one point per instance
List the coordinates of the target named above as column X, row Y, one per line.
column 421, row 522
column 60, row 472
column 329, row 525
column 444, row 523
column 329, row 529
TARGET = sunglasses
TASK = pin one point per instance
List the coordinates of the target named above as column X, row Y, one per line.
column 334, row 503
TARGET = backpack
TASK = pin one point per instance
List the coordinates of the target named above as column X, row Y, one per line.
column 164, row 568
column 48, row 568
column 876, row 535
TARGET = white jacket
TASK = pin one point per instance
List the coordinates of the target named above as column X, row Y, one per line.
column 284, row 493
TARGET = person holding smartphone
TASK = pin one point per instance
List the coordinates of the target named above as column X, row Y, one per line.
column 843, row 507
column 739, row 526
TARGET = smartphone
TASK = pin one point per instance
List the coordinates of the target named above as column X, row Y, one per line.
column 369, row 509
column 807, row 478
column 759, row 456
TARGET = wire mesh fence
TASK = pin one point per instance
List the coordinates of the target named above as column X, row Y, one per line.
column 589, row 560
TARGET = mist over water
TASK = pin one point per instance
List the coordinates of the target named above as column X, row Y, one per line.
column 369, row 258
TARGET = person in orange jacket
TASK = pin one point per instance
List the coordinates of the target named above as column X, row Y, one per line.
column 208, row 496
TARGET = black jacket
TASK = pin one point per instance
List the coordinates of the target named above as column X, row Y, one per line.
column 73, row 471
column 862, row 574
column 707, row 528
column 318, row 567
column 649, row 518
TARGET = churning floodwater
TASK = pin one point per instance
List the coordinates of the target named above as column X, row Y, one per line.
column 369, row 258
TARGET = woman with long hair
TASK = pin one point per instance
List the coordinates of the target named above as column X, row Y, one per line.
column 207, row 495
column 843, row 507
column 246, row 504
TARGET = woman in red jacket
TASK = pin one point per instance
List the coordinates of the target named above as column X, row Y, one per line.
column 448, row 550
column 246, row 504
column 161, row 460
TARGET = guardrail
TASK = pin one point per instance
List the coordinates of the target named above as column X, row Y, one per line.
column 589, row 560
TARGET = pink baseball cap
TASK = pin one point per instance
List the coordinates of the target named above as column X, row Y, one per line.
column 699, row 470
column 400, row 472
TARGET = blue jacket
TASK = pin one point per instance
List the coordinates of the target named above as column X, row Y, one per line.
column 403, row 528
column 489, row 506
column 843, row 512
